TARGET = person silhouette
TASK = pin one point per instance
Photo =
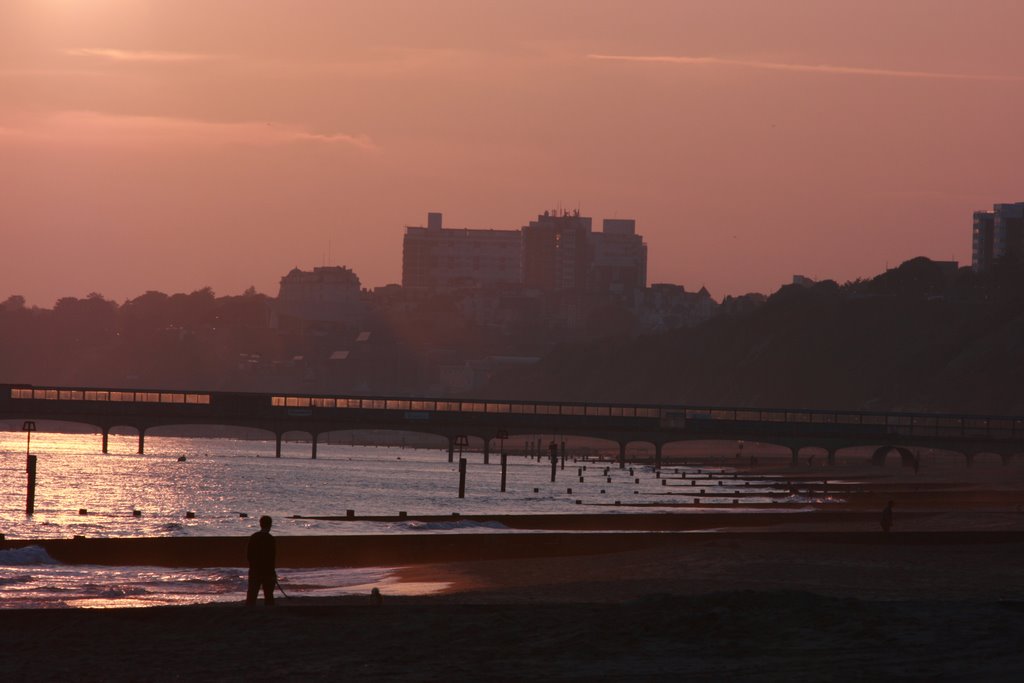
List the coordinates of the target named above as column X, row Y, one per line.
column 261, row 553
column 886, row 520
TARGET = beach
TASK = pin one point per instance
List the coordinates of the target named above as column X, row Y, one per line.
column 777, row 592
column 736, row 606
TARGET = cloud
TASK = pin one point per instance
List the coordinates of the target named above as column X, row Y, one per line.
column 804, row 68
column 138, row 55
column 100, row 129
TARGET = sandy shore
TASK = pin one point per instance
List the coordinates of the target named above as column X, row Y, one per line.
column 814, row 596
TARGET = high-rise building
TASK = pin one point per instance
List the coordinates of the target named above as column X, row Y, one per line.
column 436, row 257
column 556, row 251
column 982, row 245
column 998, row 234
column 618, row 258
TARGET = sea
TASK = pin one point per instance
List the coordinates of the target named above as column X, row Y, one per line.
column 189, row 486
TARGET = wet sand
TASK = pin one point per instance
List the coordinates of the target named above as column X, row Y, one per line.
column 809, row 596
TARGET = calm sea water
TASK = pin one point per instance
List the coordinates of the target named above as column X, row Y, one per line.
column 220, row 479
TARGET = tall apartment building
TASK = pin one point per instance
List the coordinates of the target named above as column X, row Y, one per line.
column 436, row 257
column 556, row 251
column 618, row 258
column 998, row 234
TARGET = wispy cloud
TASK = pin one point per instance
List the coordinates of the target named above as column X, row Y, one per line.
column 804, row 68
column 97, row 128
column 138, row 55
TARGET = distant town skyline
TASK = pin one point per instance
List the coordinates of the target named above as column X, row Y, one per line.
column 171, row 146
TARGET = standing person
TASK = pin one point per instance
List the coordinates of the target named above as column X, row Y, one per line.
column 886, row 520
column 262, row 552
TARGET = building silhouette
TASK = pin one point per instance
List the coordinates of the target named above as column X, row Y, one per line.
column 435, row 257
column 997, row 234
column 556, row 252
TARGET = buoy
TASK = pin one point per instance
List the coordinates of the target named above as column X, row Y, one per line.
column 182, row 458
column 83, row 511
column 243, row 515
column 190, row 515
column 136, row 513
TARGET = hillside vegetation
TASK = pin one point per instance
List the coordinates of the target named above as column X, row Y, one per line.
column 918, row 337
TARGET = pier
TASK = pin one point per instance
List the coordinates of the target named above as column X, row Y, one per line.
column 495, row 420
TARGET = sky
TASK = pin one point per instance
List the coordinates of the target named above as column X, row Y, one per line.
column 182, row 144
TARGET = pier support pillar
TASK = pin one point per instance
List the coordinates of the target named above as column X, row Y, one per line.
column 277, row 450
column 451, row 449
column 314, row 438
column 622, row 455
column 487, row 451
column 657, row 456
column 796, row 454
column 562, row 453
column 142, row 441
column 106, row 436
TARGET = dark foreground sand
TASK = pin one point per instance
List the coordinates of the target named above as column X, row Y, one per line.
column 792, row 606
column 807, row 598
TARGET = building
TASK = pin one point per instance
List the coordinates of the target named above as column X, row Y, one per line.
column 618, row 258
column 556, row 251
column 327, row 294
column 435, row 257
column 997, row 234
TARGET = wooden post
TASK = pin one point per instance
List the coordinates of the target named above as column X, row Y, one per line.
column 142, row 441
column 277, row 452
column 314, row 439
column 562, row 452
column 487, row 450
column 504, row 467
column 462, row 477
column 622, row 456
column 106, row 434
column 451, row 449
column 30, row 497
column 553, row 450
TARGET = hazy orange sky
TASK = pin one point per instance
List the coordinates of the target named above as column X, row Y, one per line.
column 173, row 145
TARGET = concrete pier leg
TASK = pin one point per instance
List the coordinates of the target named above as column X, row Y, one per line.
column 487, row 451
column 622, row 455
column 106, row 436
column 277, row 450
column 142, row 441
column 796, row 454
column 314, row 439
column 451, row 449
column 657, row 456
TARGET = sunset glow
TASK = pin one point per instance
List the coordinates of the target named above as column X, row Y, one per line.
column 827, row 139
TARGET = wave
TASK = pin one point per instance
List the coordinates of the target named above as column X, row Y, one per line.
column 21, row 557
